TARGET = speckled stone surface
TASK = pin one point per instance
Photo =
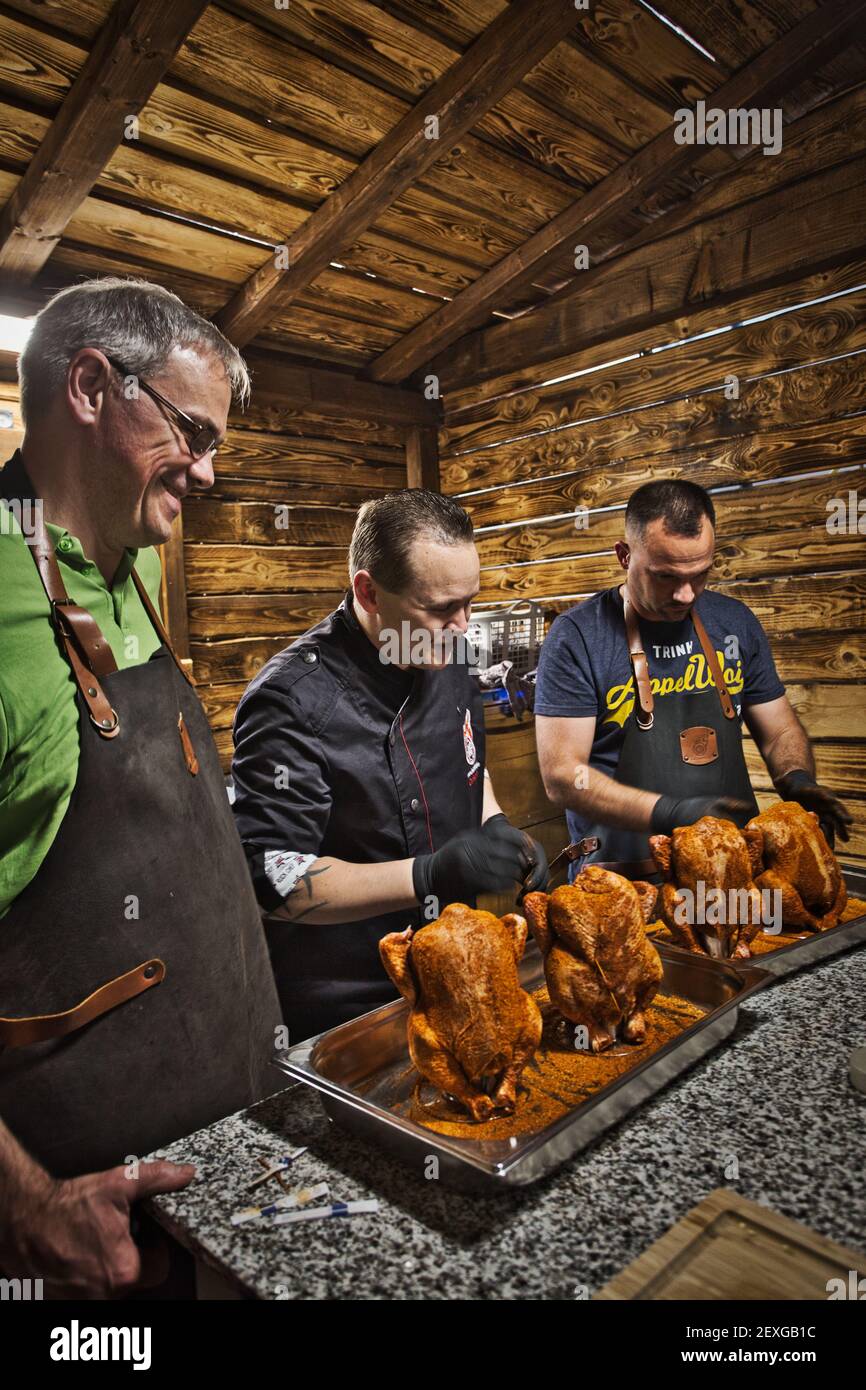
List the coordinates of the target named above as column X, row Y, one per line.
column 775, row 1098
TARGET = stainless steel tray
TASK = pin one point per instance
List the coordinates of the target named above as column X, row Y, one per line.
column 816, row 946
column 360, row 1067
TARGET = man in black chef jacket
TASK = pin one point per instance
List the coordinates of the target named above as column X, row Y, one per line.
column 362, row 798
column 641, row 690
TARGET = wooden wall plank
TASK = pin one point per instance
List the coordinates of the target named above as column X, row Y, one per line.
column 217, row 521
column 228, row 569
column 741, row 515
column 780, row 555
column 841, row 766
column 795, row 339
column 216, row 663
column 217, row 618
column 742, row 459
column 804, row 603
column 812, row 395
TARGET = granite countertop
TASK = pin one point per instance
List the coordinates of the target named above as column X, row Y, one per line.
column 770, row 1113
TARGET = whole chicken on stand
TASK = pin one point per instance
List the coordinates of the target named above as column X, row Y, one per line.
column 472, row 1028
column 602, row 971
column 709, row 867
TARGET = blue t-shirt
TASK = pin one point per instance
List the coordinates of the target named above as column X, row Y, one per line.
column 584, row 668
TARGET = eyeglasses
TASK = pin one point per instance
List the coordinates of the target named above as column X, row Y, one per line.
column 201, row 439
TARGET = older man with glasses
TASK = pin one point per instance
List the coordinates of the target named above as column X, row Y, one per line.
column 137, row 1001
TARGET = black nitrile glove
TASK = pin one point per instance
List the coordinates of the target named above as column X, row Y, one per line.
column 801, row 786
column 669, row 811
column 475, row 861
column 539, row 874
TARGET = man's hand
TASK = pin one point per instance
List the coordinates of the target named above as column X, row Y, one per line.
column 669, row 812
column 538, row 875
column 474, row 861
column 74, row 1233
column 801, row 786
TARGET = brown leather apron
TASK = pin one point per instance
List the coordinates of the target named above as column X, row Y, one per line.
column 137, row 1002
column 688, row 744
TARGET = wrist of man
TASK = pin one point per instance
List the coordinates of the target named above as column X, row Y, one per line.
column 25, row 1188
column 794, row 780
column 661, row 814
column 421, row 885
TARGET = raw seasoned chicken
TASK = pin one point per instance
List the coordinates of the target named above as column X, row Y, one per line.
column 709, row 901
column 472, row 1028
column 601, row 969
column 800, row 864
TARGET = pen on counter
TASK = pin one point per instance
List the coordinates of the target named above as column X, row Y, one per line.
column 319, row 1213
column 299, row 1198
column 279, row 1166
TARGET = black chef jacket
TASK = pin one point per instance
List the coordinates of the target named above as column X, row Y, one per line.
column 339, row 754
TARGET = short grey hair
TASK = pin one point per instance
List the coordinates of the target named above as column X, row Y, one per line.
column 133, row 320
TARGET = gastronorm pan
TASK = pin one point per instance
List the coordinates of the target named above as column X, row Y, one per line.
column 362, row 1067
column 794, row 955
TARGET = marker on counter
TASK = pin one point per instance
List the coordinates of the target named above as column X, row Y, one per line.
column 300, row 1198
column 319, row 1213
column 279, row 1167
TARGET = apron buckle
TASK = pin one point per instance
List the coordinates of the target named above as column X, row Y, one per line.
column 578, row 849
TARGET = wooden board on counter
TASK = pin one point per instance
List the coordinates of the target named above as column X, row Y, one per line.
column 728, row 1247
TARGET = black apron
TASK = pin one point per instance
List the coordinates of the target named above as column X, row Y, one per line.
column 192, row 1035
column 427, row 786
column 688, row 744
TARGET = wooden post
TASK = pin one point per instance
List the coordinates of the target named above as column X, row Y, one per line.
column 422, row 457
column 172, row 592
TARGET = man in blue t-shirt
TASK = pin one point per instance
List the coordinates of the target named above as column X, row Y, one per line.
column 694, row 662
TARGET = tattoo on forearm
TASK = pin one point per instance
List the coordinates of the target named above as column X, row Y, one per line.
column 294, row 898
column 305, row 881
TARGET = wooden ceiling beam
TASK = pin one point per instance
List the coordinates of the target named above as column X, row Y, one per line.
column 515, row 42
column 130, row 56
column 796, row 55
column 284, row 384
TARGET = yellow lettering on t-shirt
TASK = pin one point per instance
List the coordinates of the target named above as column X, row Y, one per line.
column 619, row 699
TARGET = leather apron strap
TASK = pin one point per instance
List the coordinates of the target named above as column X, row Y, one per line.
column 19, row 1032
column 640, row 669
column 713, row 663
column 88, row 653
column 160, row 627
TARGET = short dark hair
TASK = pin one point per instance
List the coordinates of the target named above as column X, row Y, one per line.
column 386, row 527
column 680, row 504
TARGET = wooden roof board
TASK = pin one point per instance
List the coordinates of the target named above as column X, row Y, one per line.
column 366, row 40
column 39, row 67
column 256, row 157
column 517, row 204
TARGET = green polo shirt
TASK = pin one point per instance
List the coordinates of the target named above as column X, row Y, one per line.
column 38, row 707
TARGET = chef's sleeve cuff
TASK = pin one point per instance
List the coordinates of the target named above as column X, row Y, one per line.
column 276, row 873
